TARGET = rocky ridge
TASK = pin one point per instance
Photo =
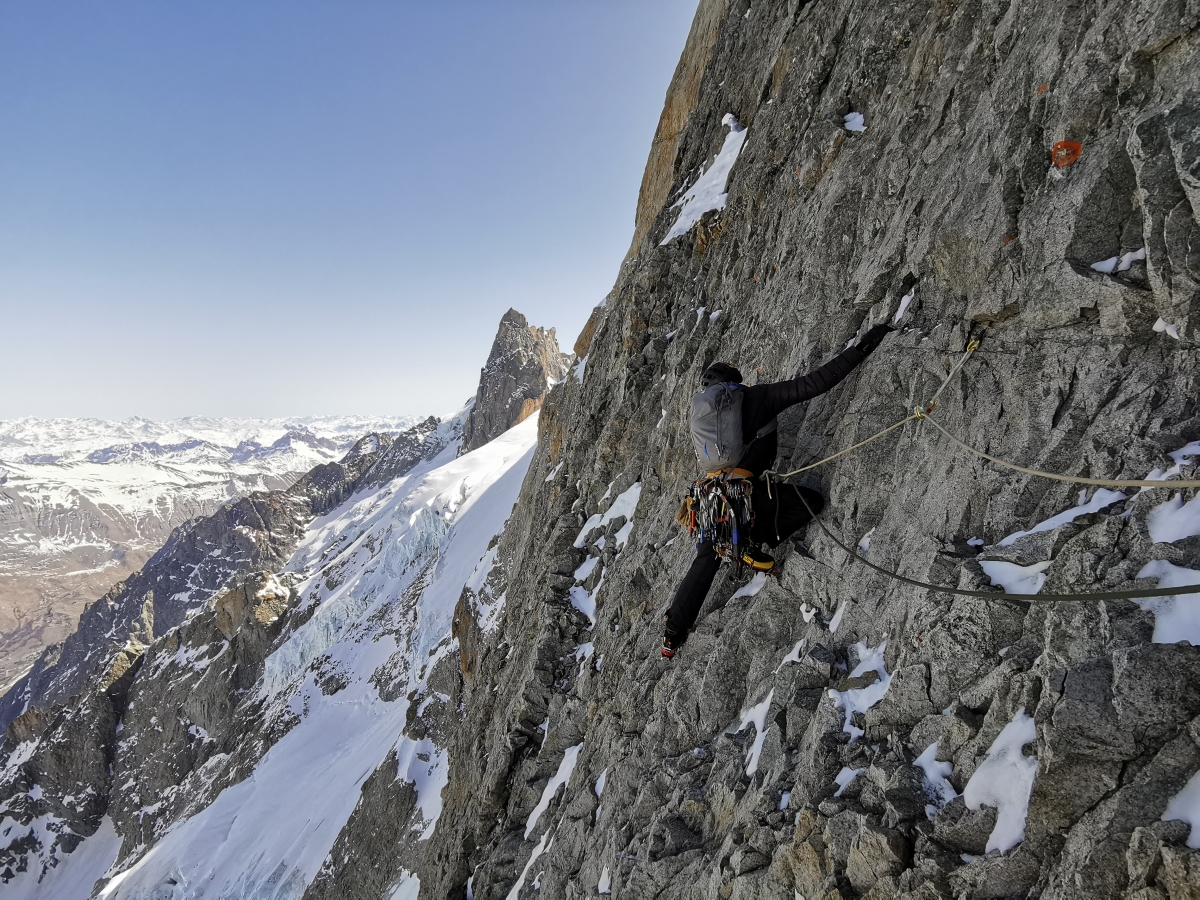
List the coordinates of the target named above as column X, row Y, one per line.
column 830, row 733
column 88, row 738
column 202, row 556
column 523, row 364
column 85, row 503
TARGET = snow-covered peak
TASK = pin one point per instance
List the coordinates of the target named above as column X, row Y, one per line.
column 98, row 440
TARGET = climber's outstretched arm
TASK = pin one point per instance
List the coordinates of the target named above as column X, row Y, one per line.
column 768, row 400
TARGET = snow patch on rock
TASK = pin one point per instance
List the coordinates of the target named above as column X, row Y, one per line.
column 1004, row 780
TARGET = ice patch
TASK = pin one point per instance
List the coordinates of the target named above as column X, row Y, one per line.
column 624, row 505
column 1176, row 618
column 586, row 568
column 974, row 542
column 604, row 886
column 757, row 716
column 585, row 601
column 599, row 789
column 713, row 317
column 854, row 121
column 1185, row 806
column 579, row 368
column 1163, row 325
column 904, row 301
column 864, row 543
column 1128, row 259
column 844, row 777
column 583, row 653
column 1181, row 457
column 937, row 779
column 426, row 767
column 793, row 655
column 752, row 587
column 541, row 848
column 1004, row 780
column 784, row 799
column 1102, row 498
column 1174, row 520
column 554, row 472
column 561, row 777
column 861, row 699
column 408, row 887
column 1013, row 578
column 708, row 193
column 22, row 753
column 836, row 622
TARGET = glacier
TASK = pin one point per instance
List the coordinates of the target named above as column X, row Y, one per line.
column 402, row 554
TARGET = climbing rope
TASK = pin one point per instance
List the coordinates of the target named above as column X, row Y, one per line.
column 919, row 413
column 923, row 413
column 993, row 595
column 822, row 462
column 1069, row 478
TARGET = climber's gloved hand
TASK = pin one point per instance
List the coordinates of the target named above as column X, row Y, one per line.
column 869, row 341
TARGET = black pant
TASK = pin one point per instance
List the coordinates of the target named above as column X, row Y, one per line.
column 776, row 518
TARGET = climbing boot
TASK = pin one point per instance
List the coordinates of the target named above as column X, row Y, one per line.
column 757, row 560
column 671, row 641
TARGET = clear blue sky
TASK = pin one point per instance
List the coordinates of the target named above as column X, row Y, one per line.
column 248, row 208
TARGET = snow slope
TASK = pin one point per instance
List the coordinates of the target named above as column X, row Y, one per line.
column 84, row 502
column 384, row 572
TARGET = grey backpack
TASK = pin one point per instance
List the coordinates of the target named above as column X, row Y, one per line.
column 716, row 425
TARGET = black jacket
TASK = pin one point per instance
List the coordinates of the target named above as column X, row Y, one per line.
column 761, row 403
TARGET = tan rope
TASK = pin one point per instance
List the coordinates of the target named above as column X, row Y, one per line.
column 924, row 413
column 972, row 346
column 1136, row 594
column 1143, row 483
column 822, row 462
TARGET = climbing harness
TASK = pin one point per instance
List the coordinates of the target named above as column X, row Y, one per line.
column 720, row 511
column 993, row 595
column 923, row 413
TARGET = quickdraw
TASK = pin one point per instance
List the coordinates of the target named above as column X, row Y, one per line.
column 721, row 511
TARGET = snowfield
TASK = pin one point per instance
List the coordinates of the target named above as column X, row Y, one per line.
column 402, row 554
column 84, row 502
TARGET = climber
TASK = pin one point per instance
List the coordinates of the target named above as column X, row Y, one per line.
column 738, row 452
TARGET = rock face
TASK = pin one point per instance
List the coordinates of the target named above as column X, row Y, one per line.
column 830, row 733
column 525, row 361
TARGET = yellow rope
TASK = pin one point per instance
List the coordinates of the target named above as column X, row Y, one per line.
column 972, row 346
column 924, row 413
column 822, row 462
column 1072, row 479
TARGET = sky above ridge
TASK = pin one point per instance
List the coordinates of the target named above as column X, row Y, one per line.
column 265, row 209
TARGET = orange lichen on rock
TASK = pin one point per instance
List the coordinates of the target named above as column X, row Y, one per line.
column 1043, row 88
column 1064, row 153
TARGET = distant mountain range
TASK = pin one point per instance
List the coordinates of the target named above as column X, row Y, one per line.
column 84, row 502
